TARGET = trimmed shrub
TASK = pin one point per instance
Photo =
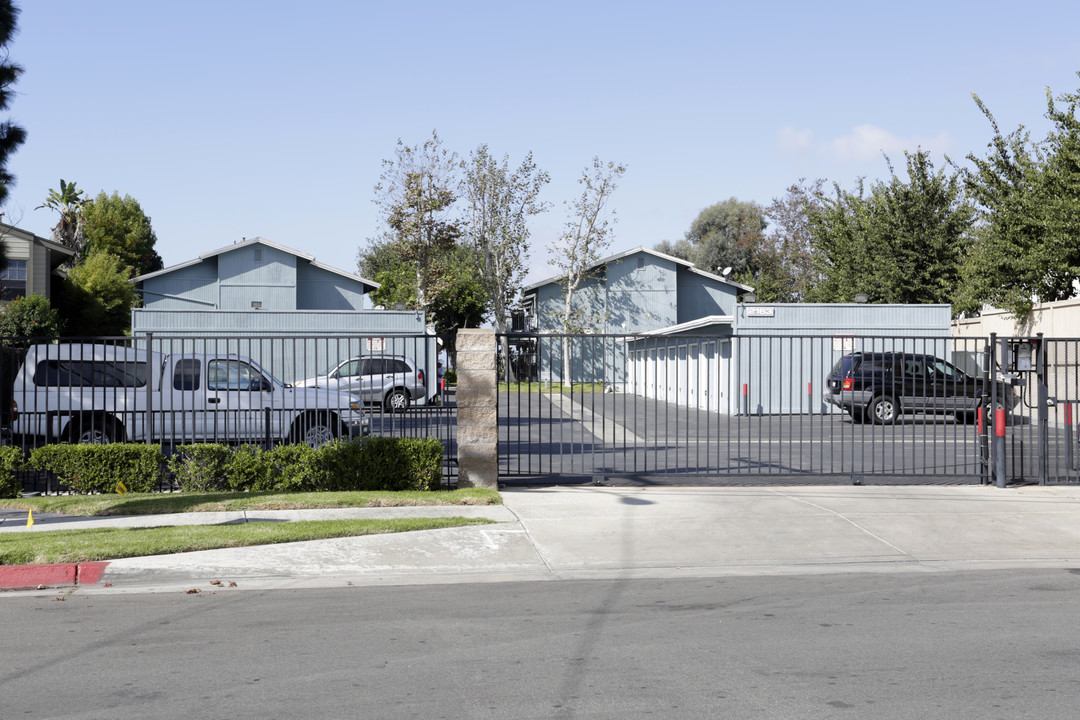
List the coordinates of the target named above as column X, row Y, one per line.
column 98, row 468
column 400, row 464
column 246, row 469
column 201, row 467
column 374, row 463
column 11, row 460
column 292, row 468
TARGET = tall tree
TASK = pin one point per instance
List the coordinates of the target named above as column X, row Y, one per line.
column 844, row 261
column 457, row 299
column 118, row 226
column 415, row 194
column 70, row 229
column 725, row 234
column 587, row 233
column 11, row 134
column 903, row 243
column 1028, row 196
column 501, row 203
column 787, row 264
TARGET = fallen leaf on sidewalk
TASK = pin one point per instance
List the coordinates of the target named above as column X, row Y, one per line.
column 192, row 591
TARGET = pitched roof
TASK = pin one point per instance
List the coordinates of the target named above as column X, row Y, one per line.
column 655, row 253
column 260, row 241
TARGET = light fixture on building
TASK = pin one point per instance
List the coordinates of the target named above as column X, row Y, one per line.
column 861, row 298
column 749, row 298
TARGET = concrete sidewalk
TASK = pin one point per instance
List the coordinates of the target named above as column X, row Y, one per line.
column 558, row 533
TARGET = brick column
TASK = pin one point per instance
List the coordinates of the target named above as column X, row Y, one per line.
column 477, row 419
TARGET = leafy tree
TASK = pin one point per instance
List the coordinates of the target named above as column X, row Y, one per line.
column 786, row 260
column 70, row 230
column 501, row 202
column 97, row 297
column 725, row 235
column 457, row 300
column 415, row 192
column 119, row 226
column 463, row 303
column 587, row 233
column 903, row 243
column 29, row 317
column 11, row 135
column 841, row 228
column 1028, row 195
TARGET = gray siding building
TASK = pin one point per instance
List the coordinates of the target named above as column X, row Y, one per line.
column 295, row 316
column 638, row 291
column 32, row 264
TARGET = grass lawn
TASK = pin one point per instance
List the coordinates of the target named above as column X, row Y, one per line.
column 156, row 503
column 62, row 546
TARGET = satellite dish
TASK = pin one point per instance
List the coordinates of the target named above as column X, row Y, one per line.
column 726, row 271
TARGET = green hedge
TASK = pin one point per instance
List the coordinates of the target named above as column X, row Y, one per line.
column 11, row 460
column 98, row 468
column 374, row 463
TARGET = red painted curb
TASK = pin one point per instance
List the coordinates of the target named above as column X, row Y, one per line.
column 14, row 577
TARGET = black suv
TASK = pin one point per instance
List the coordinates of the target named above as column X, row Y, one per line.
column 880, row 386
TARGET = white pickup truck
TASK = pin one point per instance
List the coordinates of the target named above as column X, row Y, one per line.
column 111, row 393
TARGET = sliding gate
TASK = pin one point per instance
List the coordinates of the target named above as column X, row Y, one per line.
column 735, row 410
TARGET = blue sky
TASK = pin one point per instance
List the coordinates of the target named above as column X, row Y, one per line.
column 235, row 118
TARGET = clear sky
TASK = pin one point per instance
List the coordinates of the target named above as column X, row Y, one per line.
column 229, row 119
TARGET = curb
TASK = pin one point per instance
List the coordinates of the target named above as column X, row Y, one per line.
column 21, row 577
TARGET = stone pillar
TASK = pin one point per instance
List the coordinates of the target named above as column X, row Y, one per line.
column 477, row 418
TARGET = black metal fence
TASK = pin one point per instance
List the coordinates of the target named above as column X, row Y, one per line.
column 609, row 408
column 179, row 389
column 723, row 409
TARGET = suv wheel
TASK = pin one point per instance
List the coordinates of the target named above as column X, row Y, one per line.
column 884, row 409
column 397, row 400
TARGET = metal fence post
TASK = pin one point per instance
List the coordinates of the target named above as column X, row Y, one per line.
column 1041, row 366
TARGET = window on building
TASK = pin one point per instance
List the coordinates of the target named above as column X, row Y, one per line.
column 13, row 280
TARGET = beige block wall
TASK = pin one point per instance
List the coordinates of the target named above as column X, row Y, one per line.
column 1059, row 319
column 477, row 421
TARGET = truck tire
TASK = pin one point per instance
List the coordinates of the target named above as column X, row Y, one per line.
column 315, row 430
column 93, row 431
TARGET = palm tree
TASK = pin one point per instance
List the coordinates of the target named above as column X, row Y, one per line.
column 70, row 230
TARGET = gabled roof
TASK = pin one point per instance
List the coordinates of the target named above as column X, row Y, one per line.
column 655, row 253
column 28, row 236
column 368, row 284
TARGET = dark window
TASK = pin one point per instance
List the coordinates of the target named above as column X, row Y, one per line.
column 13, row 280
column 375, row 366
column 186, row 374
column 914, row 367
column 90, row 373
column 400, row 366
